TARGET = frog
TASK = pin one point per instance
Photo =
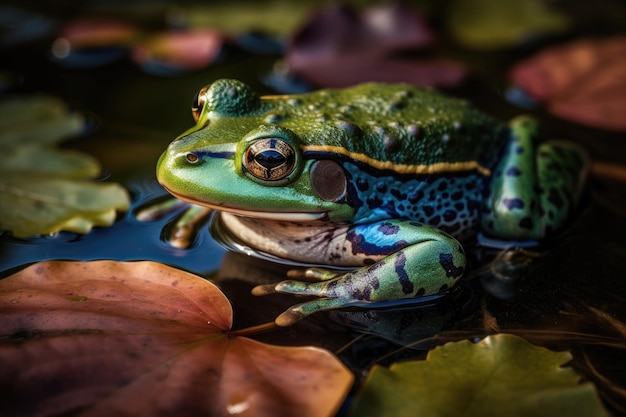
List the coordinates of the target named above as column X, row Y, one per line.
column 374, row 189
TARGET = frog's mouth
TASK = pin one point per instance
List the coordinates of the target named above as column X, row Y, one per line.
column 293, row 216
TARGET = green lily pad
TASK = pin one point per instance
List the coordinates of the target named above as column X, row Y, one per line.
column 44, row 189
column 503, row 375
column 491, row 24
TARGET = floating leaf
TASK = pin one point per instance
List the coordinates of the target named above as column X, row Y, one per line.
column 503, row 375
column 339, row 47
column 44, row 189
column 112, row 338
column 173, row 52
column 496, row 23
column 583, row 81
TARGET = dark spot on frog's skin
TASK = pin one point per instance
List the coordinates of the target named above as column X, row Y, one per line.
column 442, row 185
column 381, row 188
column 360, row 245
column 459, row 206
column 362, row 184
column 449, row 215
column 414, row 198
column 349, row 128
column 428, row 210
column 526, row 223
column 416, row 224
column 397, row 194
column 396, row 104
column 403, row 277
column 420, row 292
column 435, row 220
column 388, row 229
column 447, row 262
column 443, row 288
column 374, row 202
column 519, row 150
column 513, row 172
column 513, row 203
column 457, row 195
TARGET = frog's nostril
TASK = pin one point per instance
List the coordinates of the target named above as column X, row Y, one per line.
column 192, row 158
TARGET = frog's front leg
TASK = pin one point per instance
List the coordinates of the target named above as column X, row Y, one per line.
column 408, row 259
column 535, row 186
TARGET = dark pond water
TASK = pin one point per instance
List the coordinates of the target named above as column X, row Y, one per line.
column 573, row 296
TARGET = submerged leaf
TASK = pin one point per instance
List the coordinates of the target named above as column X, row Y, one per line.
column 503, row 375
column 583, row 81
column 496, row 23
column 44, row 189
column 141, row 338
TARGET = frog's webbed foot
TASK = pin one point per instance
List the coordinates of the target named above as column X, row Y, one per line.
column 184, row 230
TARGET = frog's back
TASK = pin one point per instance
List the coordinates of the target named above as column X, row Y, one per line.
column 390, row 126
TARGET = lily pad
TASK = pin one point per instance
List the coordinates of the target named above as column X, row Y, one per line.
column 583, row 81
column 502, row 375
column 140, row 338
column 44, row 189
column 489, row 24
column 339, row 46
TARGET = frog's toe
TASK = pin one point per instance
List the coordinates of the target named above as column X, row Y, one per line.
column 317, row 274
column 292, row 287
column 264, row 289
column 300, row 311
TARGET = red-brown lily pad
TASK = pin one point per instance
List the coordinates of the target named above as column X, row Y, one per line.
column 339, row 47
column 111, row 338
column 179, row 50
column 583, row 81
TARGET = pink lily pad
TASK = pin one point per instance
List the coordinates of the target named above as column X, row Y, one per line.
column 583, row 81
column 180, row 50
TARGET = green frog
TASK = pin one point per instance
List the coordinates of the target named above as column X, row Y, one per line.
column 387, row 179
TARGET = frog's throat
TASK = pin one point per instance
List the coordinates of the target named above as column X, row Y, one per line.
column 287, row 242
column 304, row 216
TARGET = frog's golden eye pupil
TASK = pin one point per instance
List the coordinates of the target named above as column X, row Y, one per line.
column 269, row 159
column 192, row 158
column 198, row 103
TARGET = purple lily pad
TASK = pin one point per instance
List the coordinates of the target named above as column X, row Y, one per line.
column 339, row 47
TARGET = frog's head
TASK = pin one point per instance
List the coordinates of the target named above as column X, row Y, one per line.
column 235, row 160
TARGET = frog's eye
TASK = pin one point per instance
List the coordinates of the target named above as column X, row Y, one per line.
column 329, row 180
column 198, row 103
column 270, row 161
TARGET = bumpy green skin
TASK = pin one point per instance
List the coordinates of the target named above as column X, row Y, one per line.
column 417, row 172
